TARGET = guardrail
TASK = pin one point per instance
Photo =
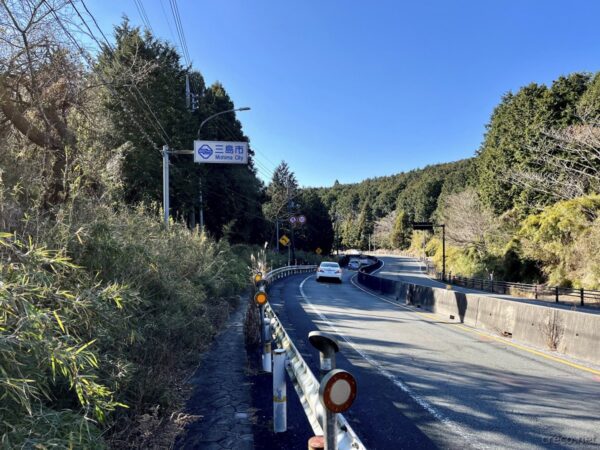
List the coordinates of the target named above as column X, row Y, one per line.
column 304, row 381
column 583, row 297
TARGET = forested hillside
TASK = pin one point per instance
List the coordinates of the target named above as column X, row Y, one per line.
column 103, row 309
column 522, row 209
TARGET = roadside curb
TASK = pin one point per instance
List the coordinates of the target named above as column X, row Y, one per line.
column 221, row 399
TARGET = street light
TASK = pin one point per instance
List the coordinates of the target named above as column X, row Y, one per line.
column 244, row 108
column 166, row 152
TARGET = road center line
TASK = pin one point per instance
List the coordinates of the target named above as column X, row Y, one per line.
column 456, row 428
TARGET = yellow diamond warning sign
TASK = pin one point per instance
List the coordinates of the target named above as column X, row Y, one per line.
column 284, row 240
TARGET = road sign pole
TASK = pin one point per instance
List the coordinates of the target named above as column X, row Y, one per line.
column 201, row 204
column 165, row 153
column 443, row 252
column 293, row 246
column 277, row 228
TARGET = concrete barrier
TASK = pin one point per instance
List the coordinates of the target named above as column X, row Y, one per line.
column 573, row 333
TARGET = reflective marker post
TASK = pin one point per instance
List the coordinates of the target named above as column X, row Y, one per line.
column 327, row 347
column 279, row 392
column 337, row 393
column 261, row 298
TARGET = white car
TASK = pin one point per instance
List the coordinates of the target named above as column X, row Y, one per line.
column 331, row 270
column 354, row 264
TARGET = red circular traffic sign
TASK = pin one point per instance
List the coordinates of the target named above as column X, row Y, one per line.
column 302, row 219
column 338, row 390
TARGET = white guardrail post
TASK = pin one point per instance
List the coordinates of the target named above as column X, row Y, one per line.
column 279, row 392
column 319, row 400
column 267, row 356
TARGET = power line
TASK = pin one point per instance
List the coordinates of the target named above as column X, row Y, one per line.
column 111, row 51
column 266, row 172
column 183, row 42
column 142, row 12
column 180, row 32
column 228, row 129
column 237, row 195
column 162, row 6
column 90, row 63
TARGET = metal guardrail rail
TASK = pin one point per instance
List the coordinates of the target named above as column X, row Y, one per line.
column 304, row 381
column 583, row 297
column 574, row 296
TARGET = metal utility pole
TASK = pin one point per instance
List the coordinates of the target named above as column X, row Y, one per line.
column 277, row 233
column 188, row 94
column 199, row 130
column 201, row 204
column 165, row 154
column 429, row 226
column 443, row 252
column 290, row 205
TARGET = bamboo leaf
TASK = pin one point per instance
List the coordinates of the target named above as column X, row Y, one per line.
column 83, row 347
column 60, row 324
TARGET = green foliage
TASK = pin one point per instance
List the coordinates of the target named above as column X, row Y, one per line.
column 516, row 128
column 364, row 225
column 110, row 325
column 282, row 194
column 562, row 237
column 402, row 232
column 232, row 194
column 589, row 103
column 54, row 321
column 318, row 230
column 355, row 208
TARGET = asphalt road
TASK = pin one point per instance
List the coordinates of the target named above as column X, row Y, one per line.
column 426, row 383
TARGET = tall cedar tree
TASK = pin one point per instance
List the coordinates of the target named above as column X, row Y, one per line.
column 150, row 111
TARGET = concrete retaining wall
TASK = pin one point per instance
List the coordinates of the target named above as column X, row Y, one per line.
column 573, row 333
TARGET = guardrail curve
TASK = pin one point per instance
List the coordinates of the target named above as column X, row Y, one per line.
column 304, row 381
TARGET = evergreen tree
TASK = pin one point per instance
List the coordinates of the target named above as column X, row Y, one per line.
column 318, row 230
column 401, row 232
column 154, row 112
column 515, row 126
column 365, row 226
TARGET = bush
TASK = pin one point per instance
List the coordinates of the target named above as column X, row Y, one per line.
column 98, row 331
column 54, row 321
column 564, row 238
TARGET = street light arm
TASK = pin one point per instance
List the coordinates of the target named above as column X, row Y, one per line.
column 218, row 114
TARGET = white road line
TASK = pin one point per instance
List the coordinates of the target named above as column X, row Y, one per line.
column 456, row 428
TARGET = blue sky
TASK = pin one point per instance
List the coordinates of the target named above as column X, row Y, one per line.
column 350, row 90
